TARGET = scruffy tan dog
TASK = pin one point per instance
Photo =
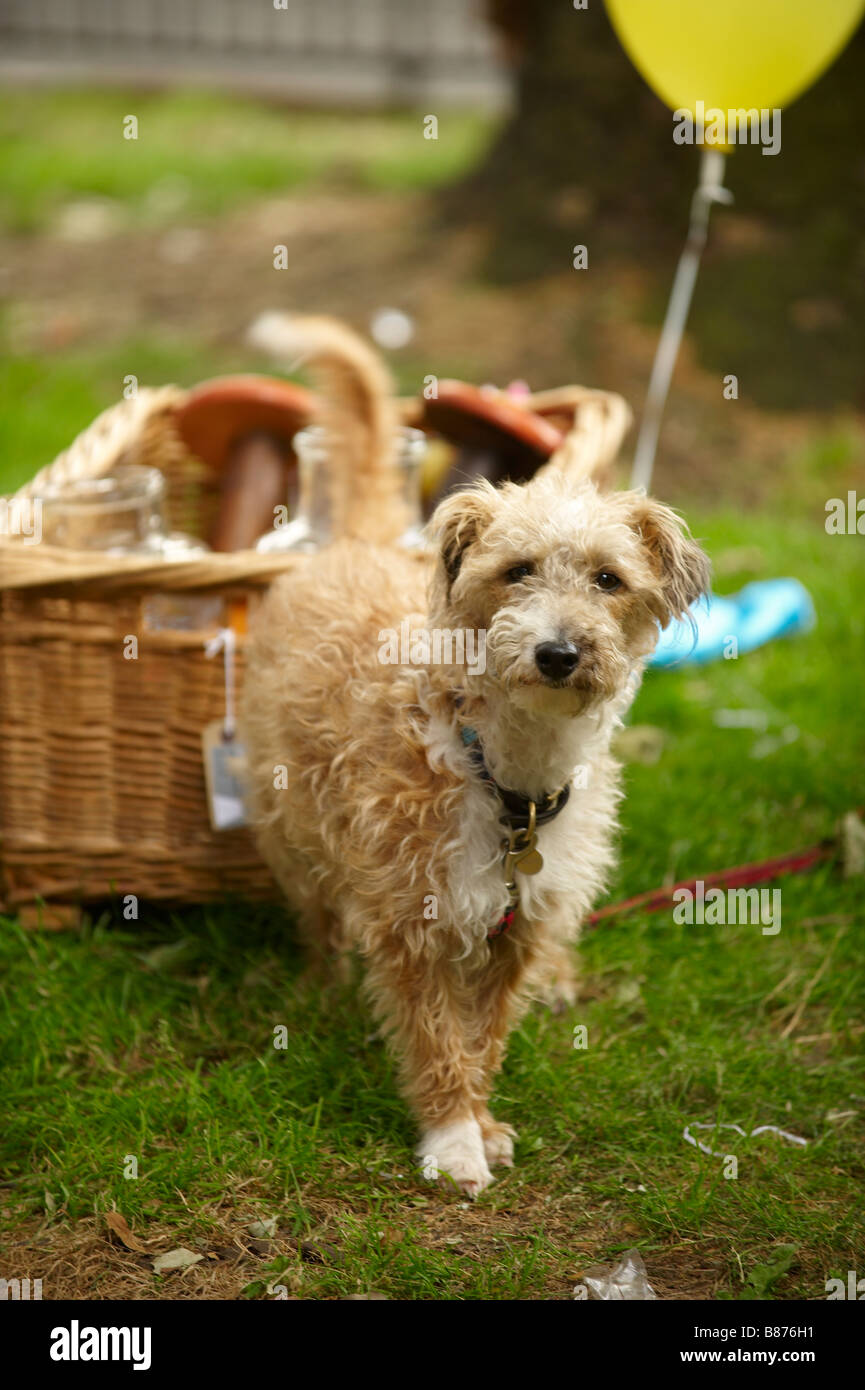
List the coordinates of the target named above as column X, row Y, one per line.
column 456, row 824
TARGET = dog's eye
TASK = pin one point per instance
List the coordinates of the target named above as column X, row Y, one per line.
column 519, row 572
column 608, row 581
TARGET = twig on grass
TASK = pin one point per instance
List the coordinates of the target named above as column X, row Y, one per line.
column 800, row 1008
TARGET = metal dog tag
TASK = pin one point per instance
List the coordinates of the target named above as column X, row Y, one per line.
column 530, row 862
column 521, row 851
column 526, row 858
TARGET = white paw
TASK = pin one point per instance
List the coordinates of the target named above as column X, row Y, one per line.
column 559, row 993
column 499, row 1144
column 456, row 1152
column 562, row 996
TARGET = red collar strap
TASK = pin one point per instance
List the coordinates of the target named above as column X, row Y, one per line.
column 503, row 925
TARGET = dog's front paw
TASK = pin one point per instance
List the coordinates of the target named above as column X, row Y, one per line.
column 498, row 1143
column 455, row 1152
column 561, row 996
column 558, row 991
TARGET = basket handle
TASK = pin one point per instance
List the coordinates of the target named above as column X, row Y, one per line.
column 98, row 448
column 602, row 419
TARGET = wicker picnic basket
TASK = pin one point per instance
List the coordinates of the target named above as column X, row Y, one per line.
column 102, row 788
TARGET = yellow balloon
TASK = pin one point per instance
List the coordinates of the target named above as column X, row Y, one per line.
column 734, row 53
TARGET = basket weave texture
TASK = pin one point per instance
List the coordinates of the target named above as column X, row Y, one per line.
column 102, row 786
column 101, row 780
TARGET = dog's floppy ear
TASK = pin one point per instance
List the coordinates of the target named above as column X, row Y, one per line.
column 682, row 568
column 458, row 521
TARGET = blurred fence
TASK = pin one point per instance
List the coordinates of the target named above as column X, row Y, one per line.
column 352, row 51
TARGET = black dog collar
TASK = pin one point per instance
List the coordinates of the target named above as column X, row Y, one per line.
column 517, row 812
column 522, row 816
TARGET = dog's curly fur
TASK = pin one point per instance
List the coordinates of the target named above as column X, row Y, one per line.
column 369, row 809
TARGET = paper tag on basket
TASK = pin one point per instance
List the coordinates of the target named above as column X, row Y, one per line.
column 224, row 771
column 224, row 754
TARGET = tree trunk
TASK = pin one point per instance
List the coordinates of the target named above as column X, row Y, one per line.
column 588, row 157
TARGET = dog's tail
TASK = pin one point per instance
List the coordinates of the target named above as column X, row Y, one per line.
column 357, row 413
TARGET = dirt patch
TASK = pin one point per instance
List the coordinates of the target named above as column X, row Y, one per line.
column 350, row 253
column 83, row 1260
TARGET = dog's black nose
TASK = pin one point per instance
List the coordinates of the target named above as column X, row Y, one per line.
column 556, row 660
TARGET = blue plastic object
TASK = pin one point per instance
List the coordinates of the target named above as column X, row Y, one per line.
column 760, row 612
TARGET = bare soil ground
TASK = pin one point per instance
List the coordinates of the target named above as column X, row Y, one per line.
column 350, row 253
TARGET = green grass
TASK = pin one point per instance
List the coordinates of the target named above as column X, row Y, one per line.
column 157, row 1041
column 50, row 399
column 64, row 146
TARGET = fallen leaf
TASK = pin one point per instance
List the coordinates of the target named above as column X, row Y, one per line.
column 852, row 845
column 118, row 1225
column 741, row 719
column 748, row 559
column 769, row 744
column 640, row 743
column 762, row 1277
column 628, row 992
column 263, row 1230
column 175, row 955
column 175, row 1259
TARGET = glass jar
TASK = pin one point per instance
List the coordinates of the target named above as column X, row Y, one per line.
column 312, row 525
column 121, row 514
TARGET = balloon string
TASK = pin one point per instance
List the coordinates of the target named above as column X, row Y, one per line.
column 710, row 189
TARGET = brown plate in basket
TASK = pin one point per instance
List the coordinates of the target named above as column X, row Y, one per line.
column 485, row 420
column 216, row 413
column 242, row 427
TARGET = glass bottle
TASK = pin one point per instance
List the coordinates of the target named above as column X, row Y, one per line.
column 311, row 527
column 121, row 514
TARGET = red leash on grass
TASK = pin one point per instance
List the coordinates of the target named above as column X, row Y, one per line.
column 763, row 872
